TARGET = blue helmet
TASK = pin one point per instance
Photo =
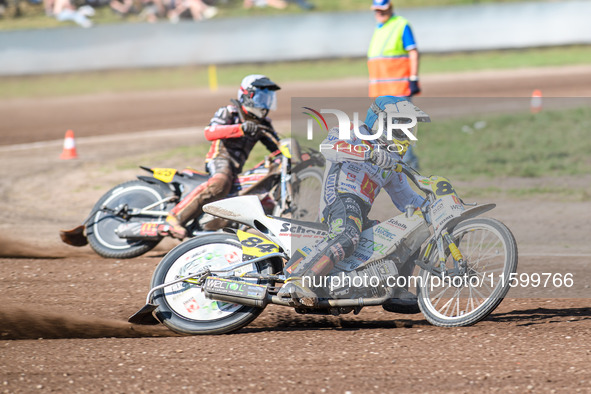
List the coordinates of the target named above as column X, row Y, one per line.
column 379, row 105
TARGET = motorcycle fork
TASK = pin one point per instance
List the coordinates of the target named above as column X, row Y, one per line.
column 439, row 267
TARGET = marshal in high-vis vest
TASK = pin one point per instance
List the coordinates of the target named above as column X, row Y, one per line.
column 393, row 59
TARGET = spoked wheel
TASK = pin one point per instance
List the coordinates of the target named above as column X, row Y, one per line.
column 125, row 197
column 183, row 307
column 490, row 251
column 307, row 194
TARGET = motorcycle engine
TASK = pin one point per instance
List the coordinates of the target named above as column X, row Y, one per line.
column 370, row 280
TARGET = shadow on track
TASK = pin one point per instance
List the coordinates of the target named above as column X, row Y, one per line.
column 542, row 316
column 289, row 322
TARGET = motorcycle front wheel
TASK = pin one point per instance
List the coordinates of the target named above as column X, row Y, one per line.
column 307, row 194
column 490, row 252
column 100, row 230
column 183, row 307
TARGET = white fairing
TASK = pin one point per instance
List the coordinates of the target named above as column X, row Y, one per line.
column 243, row 209
column 248, row 210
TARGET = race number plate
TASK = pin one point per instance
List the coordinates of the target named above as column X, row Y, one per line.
column 255, row 246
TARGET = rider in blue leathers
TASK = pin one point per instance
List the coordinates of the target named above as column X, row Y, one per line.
column 357, row 170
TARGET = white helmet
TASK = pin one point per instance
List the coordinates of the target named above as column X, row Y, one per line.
column 257, row 95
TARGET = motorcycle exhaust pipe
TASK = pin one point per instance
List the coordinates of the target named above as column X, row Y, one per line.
column 357, row 302
column 236, row 292
column 139, row 230
column 238, row 300
column 250, row 294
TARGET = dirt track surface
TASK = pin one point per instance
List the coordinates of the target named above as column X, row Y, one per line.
column 26, row 120
column 63, row 317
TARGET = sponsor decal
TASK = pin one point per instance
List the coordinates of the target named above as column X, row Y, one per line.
column 353, row 208
column 397, row 224
column 230, row 287
column 294, row 265
column 361, row 256
column 336, row 227
column 372, row 245
column 442, row 221
column 323, row 265
column 232, row 257
column 191, row 305
column 149, row 229
column 330, row 189
column 351, row 177
column 357, row 222
column 348, row 186
column 436, row 207
column 384, row 233
column 438, row 218
column 368, row 188
column 289, row 229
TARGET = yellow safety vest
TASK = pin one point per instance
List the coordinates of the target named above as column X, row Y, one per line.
column 388, row 62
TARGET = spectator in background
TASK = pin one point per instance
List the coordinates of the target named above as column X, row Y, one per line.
column 65, row 10
column 280, row 4
column 2, row 8
column 303, row 4
column 121, row 7
column 195, row 9
column 393, row 60
column 152, row 10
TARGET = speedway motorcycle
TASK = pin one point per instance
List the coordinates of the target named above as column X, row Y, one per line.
column 124, row 222
column 219, row 283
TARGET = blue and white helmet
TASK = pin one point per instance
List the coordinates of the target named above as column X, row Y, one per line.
column 400, row 111
column 257, row 95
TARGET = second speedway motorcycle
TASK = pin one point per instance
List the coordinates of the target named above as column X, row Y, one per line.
column 220, row 282
column 124, row 222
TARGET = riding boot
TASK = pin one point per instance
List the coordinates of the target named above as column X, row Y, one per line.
column 173, row 228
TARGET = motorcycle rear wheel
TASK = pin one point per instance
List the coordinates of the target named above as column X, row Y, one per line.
column 183, row 307
column 490, row 251
column 100, row 230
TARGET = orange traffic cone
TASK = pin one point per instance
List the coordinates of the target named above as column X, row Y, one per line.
column 69, row 151
column 536, row 101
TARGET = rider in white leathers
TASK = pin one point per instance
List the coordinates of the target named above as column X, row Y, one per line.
column 357, row 170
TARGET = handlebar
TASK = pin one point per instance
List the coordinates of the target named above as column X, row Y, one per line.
column 413, row 175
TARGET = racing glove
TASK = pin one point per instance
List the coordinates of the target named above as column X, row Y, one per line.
column 250, row 128
column 413, row 85
column 382, row 158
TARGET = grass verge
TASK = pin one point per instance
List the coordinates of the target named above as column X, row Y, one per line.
column 550, row 143
column 197, row 77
